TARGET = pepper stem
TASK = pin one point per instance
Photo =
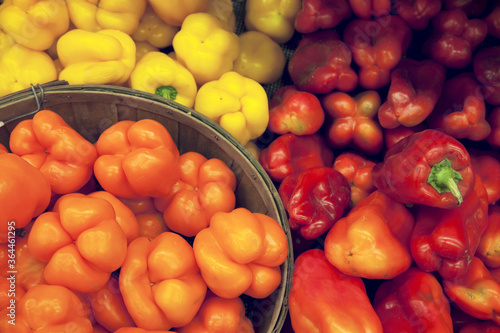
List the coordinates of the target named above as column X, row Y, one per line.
column 444, row 179
column 167, row 92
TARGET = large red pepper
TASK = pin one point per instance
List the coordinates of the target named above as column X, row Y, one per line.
column 413, row 302
column 487, row 165
column 494, row 120
column 486, row 64
column 315, row 199
column 377, row 46
column 428, row 168
column 414, row 91
column 488, row 249
column 368, row 8
column 322, row 299
column 418, row 13
column 445, row 240
column 493, row 21
column 321, row 14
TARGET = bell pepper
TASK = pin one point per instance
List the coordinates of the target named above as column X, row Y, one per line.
column 206, row 52
column 3, row 149
column 494, row 120
column 428, row 168
column 240, row 253
column 206, row 186
column 412, row 94
column 417, row 14
column 238, row 104
column 472, row 8
column 260, row 58
column 486, row 66
column 377, row 46
column 315, row 200
column 152, row 29
column 373, row 240
column 91, row 15
column 139, row 330
column 123, row 149
column 413, row 302
column 488, row 249
column 460, row 110
column 487, row 165
column 294, row 111
column 103, row 57
column 323, row 299
column 321, row 14
column 151, row 224
column 365, row 9
column 493, row 21
column 224, row 11
column 480, row 327
column 351, row 120
column 48, row 143
column 321, row 63
column 291, row 154
column 143, row 48
column 393, row 135
column 157, row 73
column 445, row 240
column 454, row 38
column 35, row 24
column 46, row 308
column 174, row 12
column 476, row 293
column 275, row 18
column 161, row 283
column 357, row 170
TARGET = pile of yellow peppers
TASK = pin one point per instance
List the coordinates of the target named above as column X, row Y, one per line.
column 209, row 68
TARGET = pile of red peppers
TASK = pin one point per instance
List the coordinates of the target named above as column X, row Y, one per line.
column 384, row 146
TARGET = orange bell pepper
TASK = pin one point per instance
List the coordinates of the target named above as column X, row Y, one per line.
column 81, row 241
column 206, row 187
column 137, row 159
column 3, row 149
column 240, row 253
column 488, row 249
column 161, row 282
column 150, row 220
column 60, row 152
column 139, row 330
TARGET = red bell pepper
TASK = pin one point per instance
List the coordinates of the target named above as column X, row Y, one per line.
column 445, row 240
column 290, row 153
column 321, row 63
column 414, row 91
column 471, row 7
column 461, row 111
column 454, row 37
column 494, row 120
column 428, row 168
column 351, row 120
column 486, row 64
column 393, row 135
column 413, row 302
column 322, row 299
column 315, row 199
column 321, row 14
column 493, row 21
column 377, row 46
column 368, row 8
column 488, row 249
column 487, row 165
column 294, row 111
column 418, row 13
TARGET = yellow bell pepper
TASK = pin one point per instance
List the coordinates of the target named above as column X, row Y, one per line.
column 95, row 15
column 275, row 18
column 205, row 48
column 141, row 48
column 35, row 24
column 253, row 149
column 5, row 42
column 260, row 58
column 154, row 30
column 238, row 104
column 174, row 12
column 103, row 57
column 157, row 73
column 223, row 10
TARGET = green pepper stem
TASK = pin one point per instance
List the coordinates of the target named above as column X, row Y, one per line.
column 444, row 179
column 167, row 92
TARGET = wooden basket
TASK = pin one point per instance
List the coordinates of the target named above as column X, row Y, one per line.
column 90, row 109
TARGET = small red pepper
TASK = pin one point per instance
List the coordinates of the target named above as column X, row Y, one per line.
column 487, row 165
column 368, row 8
column 486, row 65
column 321, row 14
column 427, row 168
column 493, row 21
column 489, row 245
column 315, row 199
column 494, row 120
column 393, row 135
column 418, row 13
column 414, row 91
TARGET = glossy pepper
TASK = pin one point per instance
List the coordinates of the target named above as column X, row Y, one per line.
column 321, row 14
column 351, row 120
column 454, row 38
column 149, row 219
column 161, row 282
column 123, row 149
column 49, row 144
column 487, row 165
column 238, row 104
column 154, row 30
column 486, row 66
column 294, row 111
column 460, row 110
column 315, row 200
column 427, row 168
column 494, row 120
column 413, row 302
column 412, row 94
column 445, row 240
column 488, row 249
column 321, row 63
column 322, row 299
column 159, row 74
column 240, row 253
column 418, row 13
column 206, row 52
column 377, row 46
column 174, row 12
column 103, row 57
column 291, row 154
column 367, row 8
